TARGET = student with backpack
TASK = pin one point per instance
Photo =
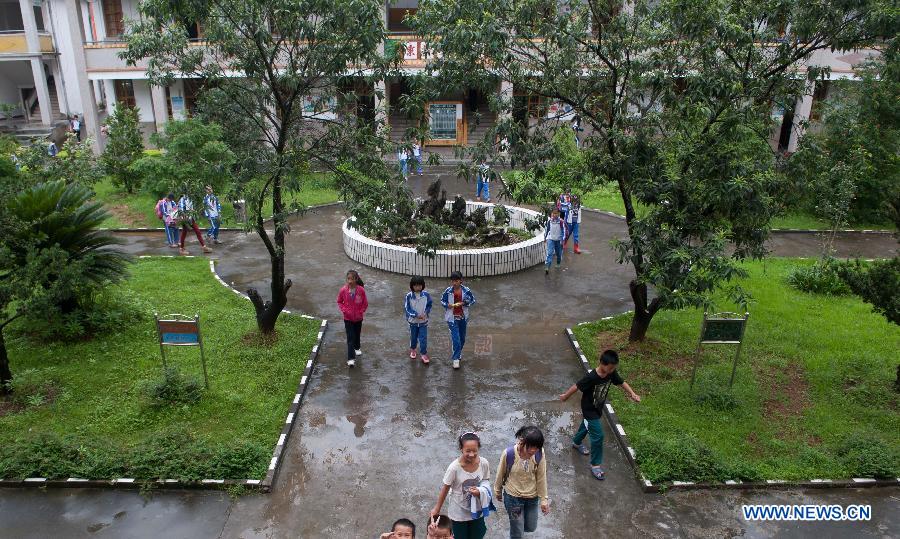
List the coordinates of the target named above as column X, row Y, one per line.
column 165, row 211
column 555, row 232
column 522, row 481
column 573, row 222
column 186, row 218
column 456, row 300
column 352, row 302
column 213, row 211
column 418, row 308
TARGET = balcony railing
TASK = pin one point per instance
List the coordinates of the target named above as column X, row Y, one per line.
column 15, row 42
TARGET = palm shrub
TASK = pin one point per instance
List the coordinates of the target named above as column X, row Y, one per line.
column 53, row 254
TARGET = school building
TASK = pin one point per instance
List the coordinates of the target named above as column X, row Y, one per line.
column 60, row 57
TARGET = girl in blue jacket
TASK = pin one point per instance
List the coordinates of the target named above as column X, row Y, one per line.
column 418, row 307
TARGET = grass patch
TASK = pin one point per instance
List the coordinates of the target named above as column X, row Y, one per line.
column 608, row 198
column 104, row 414
column 813, row 395
column 138, row 210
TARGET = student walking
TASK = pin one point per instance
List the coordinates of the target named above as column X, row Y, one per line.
column 564, row 203
column 353, row 303
column 483, row 182
column 418, row 308
column 573, row 222
column 213, row 211
column 403, row 159
column 467, row 482
column 456, row 300
column 166, row 210
column 522, row 481
column 186, row 218
column 76, row 127
column 555, row 232
column 594, row 387
column 417, row 156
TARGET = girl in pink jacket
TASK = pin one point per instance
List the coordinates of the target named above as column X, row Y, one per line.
column 352, row 302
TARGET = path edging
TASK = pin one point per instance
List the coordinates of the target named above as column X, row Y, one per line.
column 262, row 485
column 615, row 426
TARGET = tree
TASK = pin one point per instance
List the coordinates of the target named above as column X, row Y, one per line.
column 675, row 97
column 294, row 58
column 123, row 147
column 51, row 250
column 75, row 163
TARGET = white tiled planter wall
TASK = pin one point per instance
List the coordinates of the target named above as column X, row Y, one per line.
column 471, row 262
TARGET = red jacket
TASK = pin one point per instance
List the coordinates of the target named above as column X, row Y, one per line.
column 354, row 308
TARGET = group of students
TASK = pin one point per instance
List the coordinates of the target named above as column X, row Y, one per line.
column 521, row 478
column 180, row 213
column 564, row 223
column 456, row 300
column 404, row 158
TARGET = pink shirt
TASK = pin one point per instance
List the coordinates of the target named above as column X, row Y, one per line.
column 354, row 306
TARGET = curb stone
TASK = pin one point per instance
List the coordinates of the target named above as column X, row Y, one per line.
column 262, row 485
column 612, row 421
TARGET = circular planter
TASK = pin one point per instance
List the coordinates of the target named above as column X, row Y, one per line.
column 471, row 262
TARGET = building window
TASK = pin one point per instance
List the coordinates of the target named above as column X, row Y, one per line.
column 113, row 18
column 124, row 92
column 397, row 12
column 442, row 121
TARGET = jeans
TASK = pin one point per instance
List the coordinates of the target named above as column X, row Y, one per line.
column 573, row 232
column 213, row 231
column 418, row 161
column 184, row 230
column 483, row 186
column 404, row 167
column 595, row 428
column 523, row 514
column 458, row 336
column 418, row 333
column 171, row 234
column 469, row 529
column 554, row 246
column 353, row 329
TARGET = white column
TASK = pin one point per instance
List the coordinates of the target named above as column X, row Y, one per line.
column 801, row 116
column 37, row 65
column 109, row 89
column 381, row 107
column 506, row 97
column 90, row 123
column 160, row 110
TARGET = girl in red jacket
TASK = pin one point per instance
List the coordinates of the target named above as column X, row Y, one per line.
column 352, row 302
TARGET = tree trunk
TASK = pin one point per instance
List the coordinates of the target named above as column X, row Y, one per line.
column 5, row 373
column 643, row 312
column 267, row 312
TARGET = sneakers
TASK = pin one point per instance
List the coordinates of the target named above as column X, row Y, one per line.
column 546, row 270
column 425, row 359
column 412, row 353
column 577, row 250
column 351, row 362
column 216, row 241
column 183, row 252
column 207, row 249
column 358, row 353
column 455, row 363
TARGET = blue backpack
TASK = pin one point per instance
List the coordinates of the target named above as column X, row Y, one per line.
column 511, row 457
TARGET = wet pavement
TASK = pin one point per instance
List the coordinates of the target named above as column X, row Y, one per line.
column 372, row 443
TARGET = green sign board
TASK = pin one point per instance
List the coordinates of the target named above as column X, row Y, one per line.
column 723, row 330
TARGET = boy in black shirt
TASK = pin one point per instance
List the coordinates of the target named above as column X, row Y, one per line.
column 594, row 387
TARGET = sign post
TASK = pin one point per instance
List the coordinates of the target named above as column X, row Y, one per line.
column 181, row 330
column 721, row 328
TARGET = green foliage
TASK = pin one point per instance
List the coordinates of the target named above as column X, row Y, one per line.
column 193, row 156
column 501, row 215
column 173, row 388
column 867, row 455
column 567, row 166
column 92, row 314
column 30, row 387
column 124, row 146
column 75, row 163
column 822, row 277
column 679, row 456
column 877, row 283
column 716, row 397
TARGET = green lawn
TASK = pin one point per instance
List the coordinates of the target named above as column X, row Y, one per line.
column 138, row 209
column 97, row 421
column 813, row 396
column 607, row 198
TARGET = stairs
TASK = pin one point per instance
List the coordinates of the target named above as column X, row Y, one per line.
column 55, row 114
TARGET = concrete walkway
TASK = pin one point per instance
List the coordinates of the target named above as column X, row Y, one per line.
column 373, row 442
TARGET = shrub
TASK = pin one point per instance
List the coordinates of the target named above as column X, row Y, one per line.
column 124, row 146
column 716, row 398
column 867, row 455
column 173, row 388
column 96, row 313
column 877, row 283
column 30, row 387
column 820, row 278
column 680, row 457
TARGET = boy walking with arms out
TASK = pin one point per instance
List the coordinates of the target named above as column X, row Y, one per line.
column 594, row 387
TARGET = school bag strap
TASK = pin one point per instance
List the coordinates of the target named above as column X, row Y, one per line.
column 511, row 457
